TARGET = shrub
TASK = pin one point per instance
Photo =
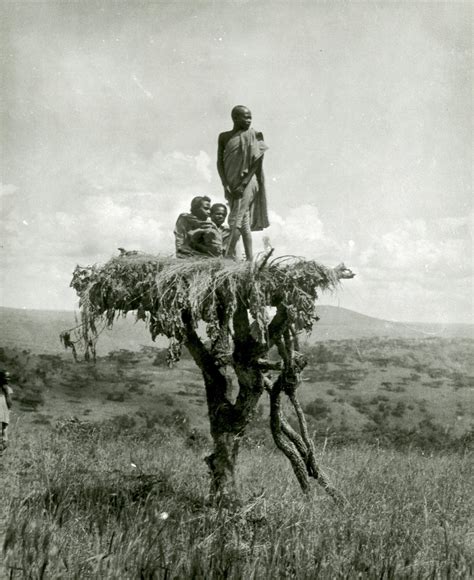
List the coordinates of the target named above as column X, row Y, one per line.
column 160, row 359
column 359, row 404
column 319, row 409
column 399, row 409
column 117, row 397
column 166, row 399
column 30, row 399
column 135, row 388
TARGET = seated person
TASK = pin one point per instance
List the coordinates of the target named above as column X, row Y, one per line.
column 195, row 234
column 218, row 217
column 207, row 241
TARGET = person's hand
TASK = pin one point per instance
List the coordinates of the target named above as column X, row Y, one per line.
column 238, row 192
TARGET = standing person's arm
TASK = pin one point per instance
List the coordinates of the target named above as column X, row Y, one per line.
column 255, row 170
column 221, row 143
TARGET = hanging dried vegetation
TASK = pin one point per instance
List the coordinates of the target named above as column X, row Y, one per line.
column 158, row 289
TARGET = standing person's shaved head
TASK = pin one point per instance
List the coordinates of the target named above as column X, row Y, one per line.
column 238, row 110
column 242, row 118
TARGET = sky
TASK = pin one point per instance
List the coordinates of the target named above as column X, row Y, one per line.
column 109, row 122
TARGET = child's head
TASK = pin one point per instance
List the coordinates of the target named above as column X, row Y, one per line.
column 218, row 213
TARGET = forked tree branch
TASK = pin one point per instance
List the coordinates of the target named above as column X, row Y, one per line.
column 179, row 293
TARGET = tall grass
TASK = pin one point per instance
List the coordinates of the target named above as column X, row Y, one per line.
column 82, row 510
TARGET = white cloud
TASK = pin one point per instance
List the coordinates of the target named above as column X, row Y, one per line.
column 96, row 228
column 164, row 173
column 421, row 250
column 203, row 165
column 39, row 259
column 302, row 233
column 417, row 270
column 8, row 198
column 7, row 189
column 405, row 300
column 132, row 204
column 420, row 271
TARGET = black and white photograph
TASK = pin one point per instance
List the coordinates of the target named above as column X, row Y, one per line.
column 236, row 292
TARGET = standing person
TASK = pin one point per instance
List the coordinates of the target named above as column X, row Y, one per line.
column 239, row 163
column 218, row 217
column 5, row 406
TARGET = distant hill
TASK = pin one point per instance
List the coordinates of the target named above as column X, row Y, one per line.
column 342, row 324
column 38, row 330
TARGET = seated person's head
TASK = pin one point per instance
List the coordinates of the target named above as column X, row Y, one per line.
column 201, row 207
column 218, row 213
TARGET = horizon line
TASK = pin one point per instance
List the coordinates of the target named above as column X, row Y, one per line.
column 410, row 322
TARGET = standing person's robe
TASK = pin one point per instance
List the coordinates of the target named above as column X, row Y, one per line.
column 242, row 154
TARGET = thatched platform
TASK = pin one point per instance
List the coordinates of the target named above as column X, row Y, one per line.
column 159, row 288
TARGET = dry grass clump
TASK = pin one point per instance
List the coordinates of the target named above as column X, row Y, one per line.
column 159, row 289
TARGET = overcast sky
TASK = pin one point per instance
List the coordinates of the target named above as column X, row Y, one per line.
column 110, row 119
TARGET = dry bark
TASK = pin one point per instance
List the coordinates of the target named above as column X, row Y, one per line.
column 228, row 419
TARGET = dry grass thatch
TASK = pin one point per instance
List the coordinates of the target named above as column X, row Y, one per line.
column 160, row 288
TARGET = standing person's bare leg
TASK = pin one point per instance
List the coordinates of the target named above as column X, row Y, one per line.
column 248, row 246
column 246, row 233
column 234, row 238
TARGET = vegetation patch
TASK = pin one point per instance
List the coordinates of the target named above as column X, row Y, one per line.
column 140, row 515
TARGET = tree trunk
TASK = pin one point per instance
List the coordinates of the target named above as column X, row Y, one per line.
column 221, row 465
column 227, row 420
column 225, row 432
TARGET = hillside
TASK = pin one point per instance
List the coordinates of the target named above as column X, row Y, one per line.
column 38, row 330
column 342, row 324
column 400, row 391
column 383, row 380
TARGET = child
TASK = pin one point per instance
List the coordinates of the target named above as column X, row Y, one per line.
column 5, row 406
column 218, row 216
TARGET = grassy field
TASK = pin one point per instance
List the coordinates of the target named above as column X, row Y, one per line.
column 116, row 502
column 105, row 475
